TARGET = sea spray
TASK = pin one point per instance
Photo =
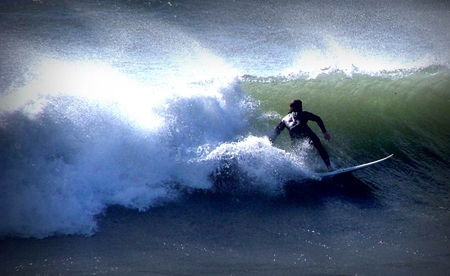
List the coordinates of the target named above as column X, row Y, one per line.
column 71, row 150
column 253, row 165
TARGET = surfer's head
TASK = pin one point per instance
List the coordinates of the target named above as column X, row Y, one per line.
column 296, row 106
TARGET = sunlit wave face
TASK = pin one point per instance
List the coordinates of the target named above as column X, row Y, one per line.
column 198, row 74
column 89, row 81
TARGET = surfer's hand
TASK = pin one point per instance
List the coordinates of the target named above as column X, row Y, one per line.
column 327, row 136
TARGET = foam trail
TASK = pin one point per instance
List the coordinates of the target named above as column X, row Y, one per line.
column 254, row 165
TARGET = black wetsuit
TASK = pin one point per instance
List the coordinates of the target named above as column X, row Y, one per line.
column 297, row 123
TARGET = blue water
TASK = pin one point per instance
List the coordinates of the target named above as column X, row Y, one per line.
column 133, row 137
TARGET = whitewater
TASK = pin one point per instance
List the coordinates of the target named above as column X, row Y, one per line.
column 134, row 137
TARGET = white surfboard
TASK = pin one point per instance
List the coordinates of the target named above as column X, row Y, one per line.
column 349, row 169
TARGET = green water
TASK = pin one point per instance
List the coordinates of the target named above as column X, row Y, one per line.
column 406, row 114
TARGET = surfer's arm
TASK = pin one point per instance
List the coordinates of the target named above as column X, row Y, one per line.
column 321, row 124
column 280, row 127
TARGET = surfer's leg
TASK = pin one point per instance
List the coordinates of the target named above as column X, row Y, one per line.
column 315, row 141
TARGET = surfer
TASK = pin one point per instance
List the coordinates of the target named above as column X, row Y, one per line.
column 297, row 123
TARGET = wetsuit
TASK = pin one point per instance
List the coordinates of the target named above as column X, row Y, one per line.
column 297, row 123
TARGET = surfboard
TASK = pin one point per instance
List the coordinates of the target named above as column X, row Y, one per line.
column 349, row 169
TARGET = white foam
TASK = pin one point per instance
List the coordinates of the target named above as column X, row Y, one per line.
column 260, row 165
column 95, row 138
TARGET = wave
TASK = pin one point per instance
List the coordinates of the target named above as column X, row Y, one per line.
column 70, row 151
column 404, row 112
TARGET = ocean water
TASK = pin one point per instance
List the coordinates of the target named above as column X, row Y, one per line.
column 133, row 137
